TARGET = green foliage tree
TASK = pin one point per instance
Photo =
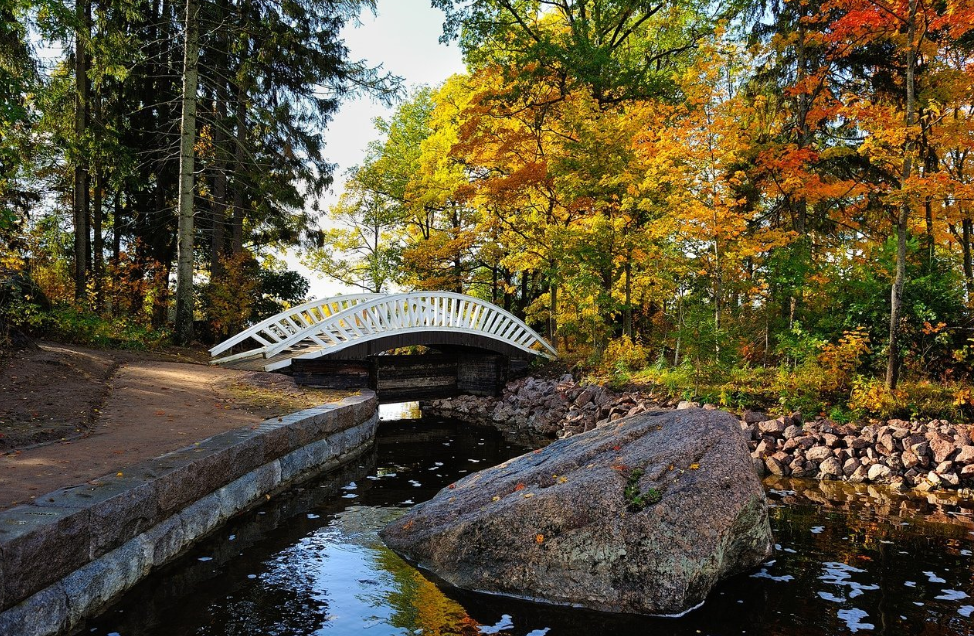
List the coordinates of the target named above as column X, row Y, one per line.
column 18, row 77
column 103, row 123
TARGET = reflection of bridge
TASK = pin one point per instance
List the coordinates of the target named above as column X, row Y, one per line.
column 336, row 341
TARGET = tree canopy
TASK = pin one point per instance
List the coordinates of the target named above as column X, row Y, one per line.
column 736, row 184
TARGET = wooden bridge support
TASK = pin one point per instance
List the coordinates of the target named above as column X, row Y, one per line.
column 407, row 378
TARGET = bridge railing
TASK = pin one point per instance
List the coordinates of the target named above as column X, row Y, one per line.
column 366, row 317
column 281, row 327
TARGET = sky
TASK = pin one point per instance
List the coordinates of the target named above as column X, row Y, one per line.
column 404, row 38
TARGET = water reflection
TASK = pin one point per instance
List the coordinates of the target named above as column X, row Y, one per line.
column 944, row 507
column 400, row 411
column 847, row 560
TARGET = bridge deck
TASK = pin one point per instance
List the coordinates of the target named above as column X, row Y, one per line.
column 260, row 363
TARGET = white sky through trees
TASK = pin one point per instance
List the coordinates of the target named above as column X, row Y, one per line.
column 404, row 38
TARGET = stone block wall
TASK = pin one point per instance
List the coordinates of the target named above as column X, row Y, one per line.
column 71, row 551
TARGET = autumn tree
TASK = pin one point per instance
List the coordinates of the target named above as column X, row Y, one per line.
column 890, row 117
column 362, row 246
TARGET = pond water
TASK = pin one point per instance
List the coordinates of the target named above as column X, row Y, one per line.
column 310, row 561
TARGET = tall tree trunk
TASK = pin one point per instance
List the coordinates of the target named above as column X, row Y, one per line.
column 903, row 214
column 220, row 147
column 97, row 214
column 117, row 227
column 627, row 309
column 240, row 158
column 218, row 230
column 81, row 176
column 187, row 140
column 493, row 284
column 930, row 164
column 507, row 293
column 220, row 205
column 98, row 244
column 553, row 315
column 967, row 229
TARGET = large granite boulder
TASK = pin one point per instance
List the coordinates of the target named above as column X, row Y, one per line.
column 643, row 515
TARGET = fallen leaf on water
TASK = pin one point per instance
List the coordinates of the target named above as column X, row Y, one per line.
column 539, row 538
column 118, row 474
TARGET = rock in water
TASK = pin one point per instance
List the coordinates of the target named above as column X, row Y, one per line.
column 643, row 515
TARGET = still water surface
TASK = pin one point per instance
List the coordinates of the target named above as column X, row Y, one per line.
column 310, row 562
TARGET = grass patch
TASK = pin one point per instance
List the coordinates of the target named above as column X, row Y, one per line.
column 277, row 396
column 636, row 500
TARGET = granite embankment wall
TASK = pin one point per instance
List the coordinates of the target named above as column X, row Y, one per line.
column 65, row 556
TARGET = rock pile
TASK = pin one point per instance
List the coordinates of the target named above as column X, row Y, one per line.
column 904, row 454
column 546, row 408
column 923, row 455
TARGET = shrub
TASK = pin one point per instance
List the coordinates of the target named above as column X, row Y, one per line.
column 624, row 356
column 870, row 396
column 229, row 297
column 69, row 324
column 801, row 388
column 842, row 359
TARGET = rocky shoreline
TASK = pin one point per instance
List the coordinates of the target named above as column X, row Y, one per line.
column 925, row 456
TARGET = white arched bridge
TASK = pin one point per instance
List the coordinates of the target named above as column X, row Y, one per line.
column 322, row 339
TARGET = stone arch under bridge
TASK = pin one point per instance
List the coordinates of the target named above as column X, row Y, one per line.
column 338, row 342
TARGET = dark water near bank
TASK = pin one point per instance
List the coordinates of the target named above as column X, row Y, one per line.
column 310, row 562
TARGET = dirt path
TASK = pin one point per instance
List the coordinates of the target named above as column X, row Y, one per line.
column 146, row 408
column 51, row 392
